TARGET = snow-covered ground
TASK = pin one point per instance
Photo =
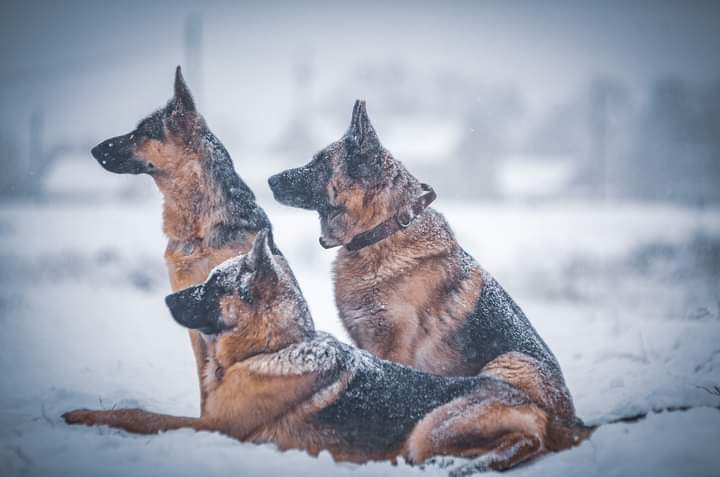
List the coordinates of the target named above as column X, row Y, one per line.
column 626, row 295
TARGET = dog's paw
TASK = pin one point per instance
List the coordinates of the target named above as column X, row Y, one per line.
column 80, row 416
column 477, row 466
column 442, row 462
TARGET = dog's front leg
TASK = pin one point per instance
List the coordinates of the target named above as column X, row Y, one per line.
column 136, row 421
column 200, row 351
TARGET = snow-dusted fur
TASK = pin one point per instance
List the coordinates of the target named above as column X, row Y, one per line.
column 270, row 377
column 416, row 297
column 209, row 213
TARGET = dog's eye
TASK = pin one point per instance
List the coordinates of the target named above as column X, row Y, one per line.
column 150, row 128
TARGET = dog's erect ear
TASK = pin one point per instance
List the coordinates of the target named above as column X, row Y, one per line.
column 183, row 98
column 261, row 260
column 421, row 201
column 360, row 127
column 364, row 148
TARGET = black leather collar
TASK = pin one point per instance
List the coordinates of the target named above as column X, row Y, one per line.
column 401, row 220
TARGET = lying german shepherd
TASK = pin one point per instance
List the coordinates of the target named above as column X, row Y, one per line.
column 209, row 214
column 270, row 377
column 405, row 289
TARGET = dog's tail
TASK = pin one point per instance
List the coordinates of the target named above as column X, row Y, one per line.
column 563, row 435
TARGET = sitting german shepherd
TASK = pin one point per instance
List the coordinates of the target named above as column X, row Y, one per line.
column 270, row 377
column 209, row 213
column 405, row 289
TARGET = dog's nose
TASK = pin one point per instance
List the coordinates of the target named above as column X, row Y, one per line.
column 96, row 152
column 274, row 181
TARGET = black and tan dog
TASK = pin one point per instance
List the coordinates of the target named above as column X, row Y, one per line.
column 270, row 377
column 209, row 214
column 404, row 287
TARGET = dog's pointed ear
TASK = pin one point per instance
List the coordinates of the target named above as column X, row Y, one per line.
column 420, row 202
column 261, row 259
column 183, row 98
column 365, row 153
column 360, row 127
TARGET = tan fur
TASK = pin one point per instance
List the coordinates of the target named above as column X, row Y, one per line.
column 407, row 292
column 255, row 406
column 267, row 332
column 465, row 428
column 405, row 277
column 527, row 374
column 249, row 406
column 252, row 403
column 189, row 213
column 188, row 270
column 363, row 208
column 209, row 214
column 136, row 421
column 401, row 298
column 393, row 301
column 266, row 379
column 191, row 203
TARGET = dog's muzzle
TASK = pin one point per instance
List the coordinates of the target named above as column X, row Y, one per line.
column 196, row 309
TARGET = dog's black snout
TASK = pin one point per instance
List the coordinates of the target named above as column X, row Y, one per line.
column 274, row 181
column 293, row 188
column 97, row 151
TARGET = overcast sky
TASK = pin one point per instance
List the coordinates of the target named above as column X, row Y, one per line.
column 83, row 59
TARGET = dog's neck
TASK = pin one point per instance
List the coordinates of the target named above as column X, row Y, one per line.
column 205, row 194
column 427, row 237
column 402, row 219
column 272, row 346
column 191, row 206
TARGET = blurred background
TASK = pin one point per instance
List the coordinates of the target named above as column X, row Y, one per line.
column 493, row 100
column 575, row 148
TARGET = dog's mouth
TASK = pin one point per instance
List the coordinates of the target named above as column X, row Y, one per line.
column 333, row 213
column 292, row 198
column 115, row 155
column 328, row 213
column 126, row 166
column 282, row 191
column 327, row 216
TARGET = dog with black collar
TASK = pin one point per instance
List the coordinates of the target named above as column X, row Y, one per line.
column 404, row 287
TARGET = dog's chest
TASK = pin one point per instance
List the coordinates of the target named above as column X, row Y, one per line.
column 382, row 311
column 408, row 313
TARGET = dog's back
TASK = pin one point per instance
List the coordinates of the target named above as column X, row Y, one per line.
column 383, row 401
column 270, row 377
column 363, row 408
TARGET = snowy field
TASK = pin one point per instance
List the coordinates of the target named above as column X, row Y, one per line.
column 627, row 296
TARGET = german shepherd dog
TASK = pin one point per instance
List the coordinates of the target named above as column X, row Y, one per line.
column 270, row 377
column 209, row 214
column 405, row 289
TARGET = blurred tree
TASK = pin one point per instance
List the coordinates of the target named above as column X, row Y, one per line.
column 297, row 137
column 11, row 163
column 608, row 108
column 193, row 48
column 676, row 150
column 486, row 142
